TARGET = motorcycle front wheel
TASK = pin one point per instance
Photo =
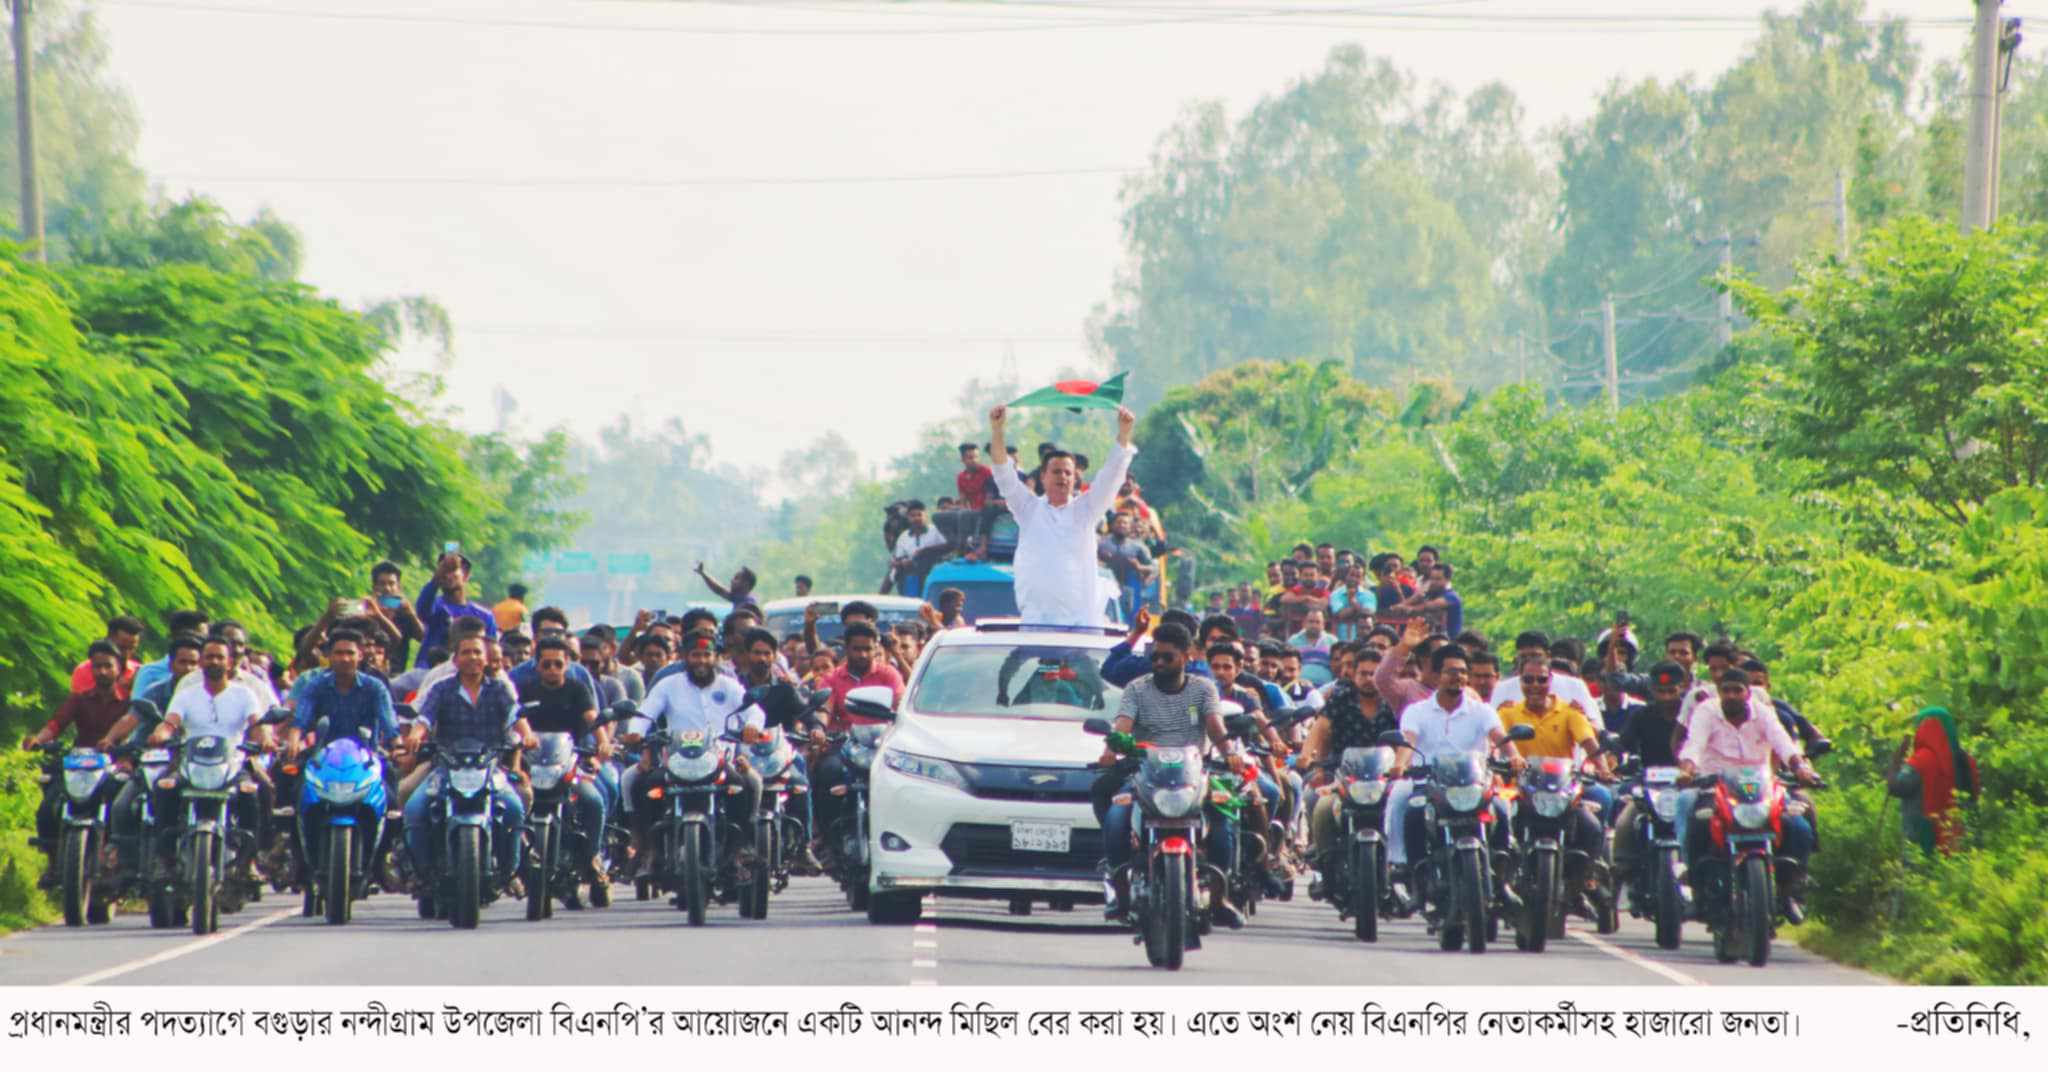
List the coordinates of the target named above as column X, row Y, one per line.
column 1670, row 909
column 1756, row 911
column 755, row 897
column 540, row 871
column 1472, row 898
column 75, row 863
column 205, row 903
column 1363, row 878
column 468, row 876
column 1169, row 915
column 696, row 892
column 1537, row 906
column 340, row 846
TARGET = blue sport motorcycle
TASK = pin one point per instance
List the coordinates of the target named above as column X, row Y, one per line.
column 341, row 818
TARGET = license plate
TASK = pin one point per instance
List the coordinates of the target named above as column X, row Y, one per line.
column 1041, row 837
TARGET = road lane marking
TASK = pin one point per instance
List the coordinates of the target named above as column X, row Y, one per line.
column 175, row 952
column 1639, row 961
column 924, row 943
column 932, row 964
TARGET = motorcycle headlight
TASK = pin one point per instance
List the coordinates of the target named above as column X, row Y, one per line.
column 1175, row 802
column 936, row 770
column 206, row 777
column 1464, row 797
column 547, row 775
column 1366, row 790
column 1550, row 803
column 1753, row 815
column 1665, row 803
column 81, row 784
column 469, row 781
column 692, row 768
column 859, row 757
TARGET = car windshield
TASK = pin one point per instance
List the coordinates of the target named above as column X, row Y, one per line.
column 1049, row 681
column 789, row 623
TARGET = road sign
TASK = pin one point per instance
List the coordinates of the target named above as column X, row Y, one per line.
column 539, row 563
column 575, row 562
column 630, row 565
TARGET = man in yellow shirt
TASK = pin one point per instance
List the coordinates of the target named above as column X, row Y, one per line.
column 1562, row 729
column 511, row 611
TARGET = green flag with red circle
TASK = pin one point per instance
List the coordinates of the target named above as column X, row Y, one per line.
column 1077, row 395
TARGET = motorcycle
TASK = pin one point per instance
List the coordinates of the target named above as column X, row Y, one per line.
column 209, row 776
column 1653, row 890
column 463, row 817
column 1358, row 877
column 554, row 770
column 850, row 865
column 692, row 858
column 1171, row 791
column 773, row 758
column 89, row 784
column 341, row 817
column 1457, row 874
column 1737, row 882
column 1550, row 792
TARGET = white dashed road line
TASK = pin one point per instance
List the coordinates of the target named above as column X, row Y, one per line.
column 924, row 944
column 1642, row 962
column 175, row 952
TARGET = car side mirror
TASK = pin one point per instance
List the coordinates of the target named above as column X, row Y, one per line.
column 1097, row 727
column 873, row 701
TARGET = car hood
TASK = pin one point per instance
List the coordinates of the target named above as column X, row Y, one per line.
column 1002, row 740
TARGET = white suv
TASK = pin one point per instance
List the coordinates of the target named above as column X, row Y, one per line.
column 982, row 787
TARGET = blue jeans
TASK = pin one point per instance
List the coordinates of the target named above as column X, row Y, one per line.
column 1603, row 796
column 608, row 784
column 418, row 842
column 1133, row 597
column 800, row 774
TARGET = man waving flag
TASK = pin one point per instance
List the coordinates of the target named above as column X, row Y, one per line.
column 1055, row 564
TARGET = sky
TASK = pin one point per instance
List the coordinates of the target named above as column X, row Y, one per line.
column 778, row 218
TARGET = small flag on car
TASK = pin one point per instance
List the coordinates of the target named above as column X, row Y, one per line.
column 1077, row 395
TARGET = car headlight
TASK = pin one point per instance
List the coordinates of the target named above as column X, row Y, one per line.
column 935, row 770
column 469, row 781
column 1464, row 797
column 1175, row 802
column 1366, row 790
column 1550, row 803
column 1665, row 803
column 1753, row 815
column 81, row 784
column 692, row 768
column 547, row 775
column 206, row 777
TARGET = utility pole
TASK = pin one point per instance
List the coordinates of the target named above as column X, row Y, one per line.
column 1724, row 305
column 25, row 132
column 1842, row 212
column 1607, row 344
column 2008, row 46
column 1521, row 357
column 1980, row 180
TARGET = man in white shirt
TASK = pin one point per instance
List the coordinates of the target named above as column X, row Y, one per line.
column 1055, row 563
column 699, row 700
column 913, row 541
column 1448, row 721
column 1564, row 686
column 240, row 671
column 213, row 707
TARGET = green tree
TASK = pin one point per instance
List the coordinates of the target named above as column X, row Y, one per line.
column 86, row 131
column 1925, row 367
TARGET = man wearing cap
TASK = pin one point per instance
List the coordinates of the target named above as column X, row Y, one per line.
column 1055, row 563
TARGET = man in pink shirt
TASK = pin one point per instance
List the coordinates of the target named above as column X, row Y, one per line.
column 1732, row 734
column 125, row 634
column 862, row 668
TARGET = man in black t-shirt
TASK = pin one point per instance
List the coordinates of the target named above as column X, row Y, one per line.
column 553, row 702
column 1648, row 734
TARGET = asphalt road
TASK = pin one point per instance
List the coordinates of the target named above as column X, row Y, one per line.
column 811, row 938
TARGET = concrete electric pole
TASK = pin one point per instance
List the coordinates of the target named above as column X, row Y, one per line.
column 1607, row 345
column 1980, row 180
column 25, row 132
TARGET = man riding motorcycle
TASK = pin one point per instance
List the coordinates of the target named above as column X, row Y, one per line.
column 94, row 712
column 472, row 706
column 1445, row 722
column 555, row 703
column 1352, row 717
column 782, row 706
column 1740, row 732
column 699, row 700
column 1172, row 708
column 1562, row 732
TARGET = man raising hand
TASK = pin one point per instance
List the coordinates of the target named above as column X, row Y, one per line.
column 1055, row 562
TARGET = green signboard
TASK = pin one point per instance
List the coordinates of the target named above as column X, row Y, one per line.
column 540, row 563
column 575, row 562
column 634, row 565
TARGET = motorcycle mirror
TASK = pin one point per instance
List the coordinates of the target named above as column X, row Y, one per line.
column 276, row 716
column 1610, row 741
column 1393, row 739
column 1239, row 725
column 1097, row 727
column 1820, row 748
column 1524, row 732
column 146, row 711
column 403, row 712
column 624, row 709
column 1231, row 709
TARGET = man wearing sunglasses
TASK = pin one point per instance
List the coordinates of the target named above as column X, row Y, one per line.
column 1562, row 732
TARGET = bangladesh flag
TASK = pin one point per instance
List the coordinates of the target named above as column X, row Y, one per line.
column 1077, row 395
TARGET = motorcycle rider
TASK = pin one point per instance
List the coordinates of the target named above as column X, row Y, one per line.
column 1353, row 717
column 347, row 699
column 553, row 702
column 862, row 668
column 1647, row 735
column 94, row 712
column 1737, row 732
column 699, row 699
column 127, row 811
column 1445, row 722
column 472, row 705
column 1562, row 732
column 1171, row 708
column 215, row 705
column 781, row 706
column 152, row 674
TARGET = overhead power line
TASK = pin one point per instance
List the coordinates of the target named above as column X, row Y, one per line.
column 570, row 182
